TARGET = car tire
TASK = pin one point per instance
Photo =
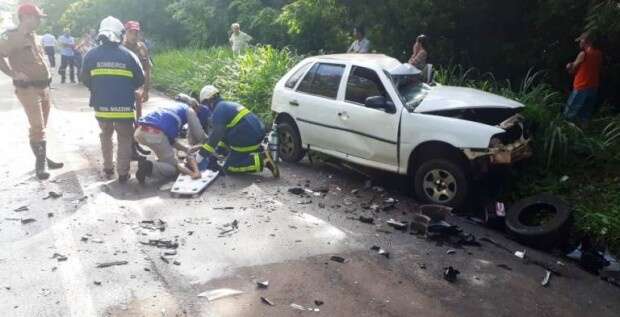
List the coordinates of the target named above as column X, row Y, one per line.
column 291, row 149
column 540, row 221
column 452, row 188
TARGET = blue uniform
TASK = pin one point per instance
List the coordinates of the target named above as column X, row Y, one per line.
column 241, row 132
column 112, row 68
column 171, row 119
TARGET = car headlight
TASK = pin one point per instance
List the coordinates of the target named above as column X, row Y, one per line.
column 495, row 142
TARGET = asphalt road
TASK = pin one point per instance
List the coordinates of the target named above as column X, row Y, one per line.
column 49, row 267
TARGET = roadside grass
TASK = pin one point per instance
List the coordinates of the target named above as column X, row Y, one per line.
column 589, row 157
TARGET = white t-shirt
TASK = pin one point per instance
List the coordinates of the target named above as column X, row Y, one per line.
column 48, row 40
column 240, row 42
column 360, row 46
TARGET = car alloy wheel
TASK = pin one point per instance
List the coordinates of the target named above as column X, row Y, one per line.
column 287, row 144
column 440, row 186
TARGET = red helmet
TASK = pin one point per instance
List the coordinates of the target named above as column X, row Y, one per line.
column 30, row 9
column 132, row 25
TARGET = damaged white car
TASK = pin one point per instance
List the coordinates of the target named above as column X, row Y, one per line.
column 372, row 110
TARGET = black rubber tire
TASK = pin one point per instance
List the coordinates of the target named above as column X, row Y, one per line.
column 289, row 133
column 543, row 236
column 455, row 169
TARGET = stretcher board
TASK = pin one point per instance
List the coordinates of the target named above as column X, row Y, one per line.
column 185, row 185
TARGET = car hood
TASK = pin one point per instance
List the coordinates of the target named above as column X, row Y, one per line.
column 441, row 98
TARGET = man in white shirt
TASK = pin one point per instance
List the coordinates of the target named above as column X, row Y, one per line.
column 67, row 56
column 361, row 45
column 48, row 41
column 239, row 41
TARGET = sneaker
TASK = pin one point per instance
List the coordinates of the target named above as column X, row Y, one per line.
column 123, row 179
column 270, row 164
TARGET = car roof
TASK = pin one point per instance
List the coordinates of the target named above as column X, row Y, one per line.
column 377, row 60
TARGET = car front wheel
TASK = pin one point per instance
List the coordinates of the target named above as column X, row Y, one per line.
column 442, row 182
column 291, row 149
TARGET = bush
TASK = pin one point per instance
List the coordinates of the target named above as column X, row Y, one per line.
column 248, row 79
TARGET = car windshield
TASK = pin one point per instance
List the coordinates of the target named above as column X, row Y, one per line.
column 411, row 89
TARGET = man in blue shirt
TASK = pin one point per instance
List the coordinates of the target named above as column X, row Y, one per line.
column 112, row 73
column 67, row 56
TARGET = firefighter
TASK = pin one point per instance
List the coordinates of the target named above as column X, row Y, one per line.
column 31, row 78
column 160, row 131
column 237, row 129
column 113, row 73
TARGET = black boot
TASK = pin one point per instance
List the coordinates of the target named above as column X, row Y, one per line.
column 135, row 155
column 39, row 153
column 51, row 164
column 145, row 169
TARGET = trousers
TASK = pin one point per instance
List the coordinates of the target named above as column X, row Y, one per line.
column 124, row 136
column 50, row 51
column 67, row 61
column 36, row 103
column 166, row 165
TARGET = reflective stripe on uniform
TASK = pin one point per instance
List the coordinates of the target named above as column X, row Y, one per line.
column 223, row 145
column 208, row 148
column 111, row 72
column 114, row 115
column 246, row 169
column 245, row 149
column 242, row 113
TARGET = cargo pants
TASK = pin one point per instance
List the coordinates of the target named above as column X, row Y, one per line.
column 124, row 135
column 36, row 103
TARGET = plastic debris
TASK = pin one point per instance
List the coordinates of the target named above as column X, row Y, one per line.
column 20, row 209
column 109, row 264
column 219, row 293
column 262, row 284
column 153, row 225
column 450, row 274
column 59, row 257
column 298, row 307
column 380, row 251
column 318, row 302
column 545, row 281
column 520, row 254
column 26, row 221
column 163, row 244
column 98, row 283
column 267, row 301
column 338, row 259
column 52, row 195
column 367, row 219
column 398, row 225
column 451, row 251
column 296, row 191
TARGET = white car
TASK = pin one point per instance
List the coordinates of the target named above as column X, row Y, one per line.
column 372, row 110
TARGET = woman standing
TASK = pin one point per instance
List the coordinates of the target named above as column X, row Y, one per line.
column 420, row 55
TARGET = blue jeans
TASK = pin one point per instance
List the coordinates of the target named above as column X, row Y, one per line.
column 581, row 104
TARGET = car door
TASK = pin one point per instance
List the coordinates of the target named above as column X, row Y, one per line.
column 374, row 131
column 317, row 105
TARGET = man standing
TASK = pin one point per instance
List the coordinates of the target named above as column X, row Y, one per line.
column 361, row 45
column 133, row 43
column 586, row 69
column 112, row 73
column 67, row 56
column 49, row 44
column 31, row 78
column 239, row 41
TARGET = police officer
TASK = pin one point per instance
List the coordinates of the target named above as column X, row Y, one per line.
column 160, row 130
column 112, row 73
column 133, row 43
column 31, row 78
column 237, row 129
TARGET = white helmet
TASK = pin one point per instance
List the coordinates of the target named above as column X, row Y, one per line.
column 112, row 28
column 208, row 92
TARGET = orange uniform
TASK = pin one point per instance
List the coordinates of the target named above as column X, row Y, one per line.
column 588, row 72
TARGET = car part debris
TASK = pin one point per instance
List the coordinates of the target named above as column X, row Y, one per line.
column 419, row 224
column 380, row 251
column 422, row 266
column 398, row 225
column 164, row 259
column 505, row 267
column 20, row 209
column 153, row 225
column 297, row 191
column 267, row 301
column 219, row 293
column 540, row 221
column 450, row 274
column 304, row 202
column 436, row 213
column 162, row 244
column 50, row 215
column 450, row 252
column 262, row 284
column 347, row 202
column 176, row 262
column 170, row 252
column 53, row 195
column 318, row 302
column 109, row 264
column 84, row 239
column 592, row 259
column 26, row 221
column 389, row 204
column 520, row 254
column 367, row 219
column 338, row 259
column 98, row 283
column 545, row 281
column 59, row 257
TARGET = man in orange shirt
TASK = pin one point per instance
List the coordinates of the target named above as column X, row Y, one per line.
column 586, row 69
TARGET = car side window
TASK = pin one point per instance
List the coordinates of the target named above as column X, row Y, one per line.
column 322, row 80
column 292, row 81
column 364, row 83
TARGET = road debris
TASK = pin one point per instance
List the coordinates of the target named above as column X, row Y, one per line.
column 98, row 283
column 20, row 209
column 170, row 252
column 451, row 251
column 380, row 251
column 26, row 221
column 389, row 204
column 398, row 225
column 109, row 264
column 50, row 215
column 545, row 281
column 366, row 219
column 338, row 259
column 505, row 267
column 435, row 213
column 297, row 191
column 164, row 259
column 84, row 239
column 450, row 274
column 59, row 257
column 233, row 227
column 162, row 244
column 219, row 293
column 153, row 225
column 318, row 302
column 520, row 254
column 298, row 307
column 262, row 284
column 267, row 301
column 53, row 195
column 176, row 262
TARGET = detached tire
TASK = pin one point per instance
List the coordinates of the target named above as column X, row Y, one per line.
column 442, row 182
column 290, row 143
column 540, row 221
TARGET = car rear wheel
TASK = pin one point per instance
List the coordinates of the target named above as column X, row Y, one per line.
column 442, row 182
column 291, row 149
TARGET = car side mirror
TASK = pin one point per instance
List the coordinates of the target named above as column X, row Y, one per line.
column 379, row 102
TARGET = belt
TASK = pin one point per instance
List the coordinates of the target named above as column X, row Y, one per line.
column 32, row 83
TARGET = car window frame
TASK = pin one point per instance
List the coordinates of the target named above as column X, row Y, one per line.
column 308, row 64
column 346, row 85
column 318, row 64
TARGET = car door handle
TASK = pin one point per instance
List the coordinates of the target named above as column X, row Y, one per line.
column 294, row 103
column 343, row 115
